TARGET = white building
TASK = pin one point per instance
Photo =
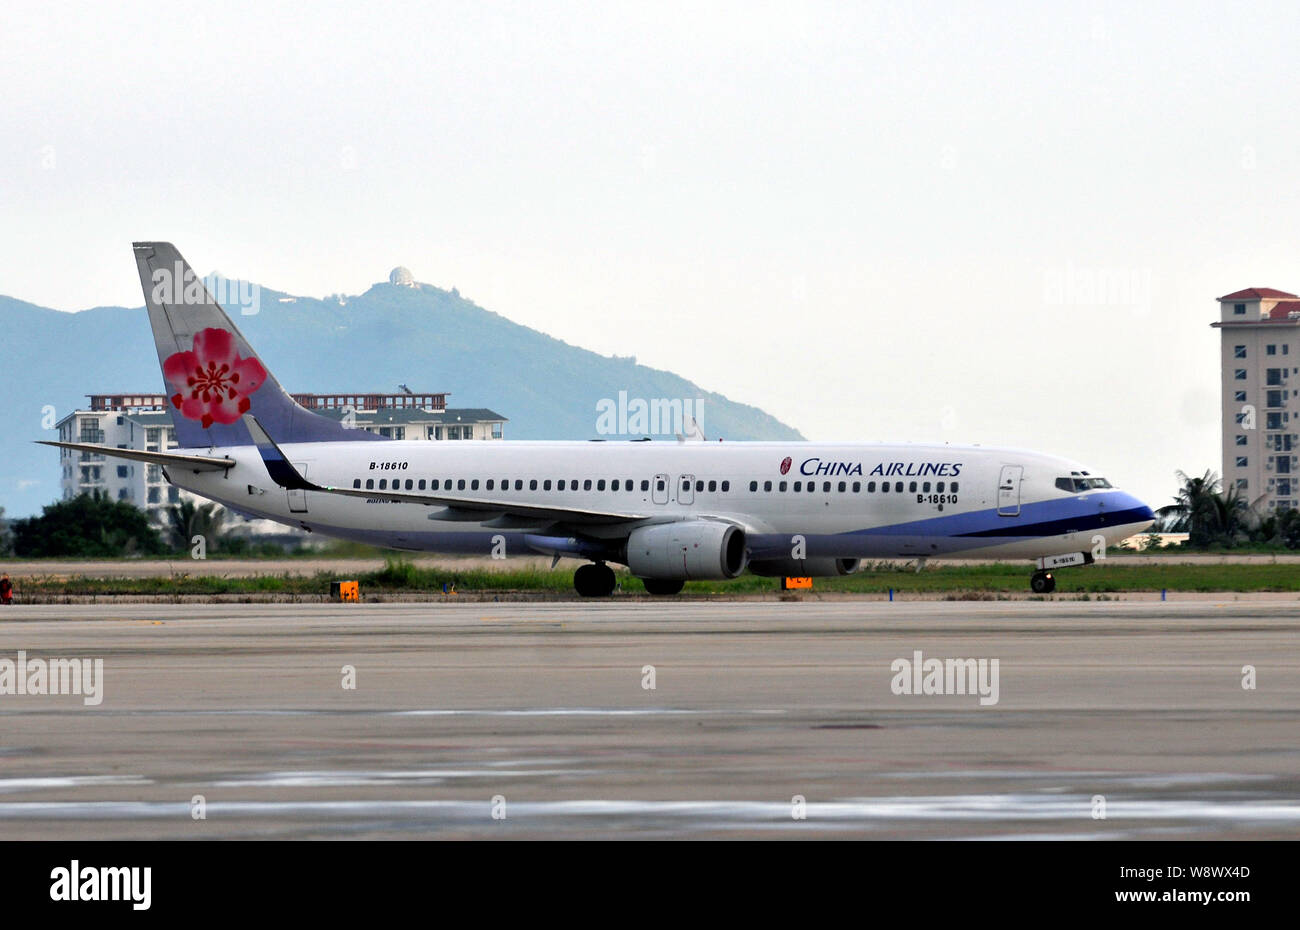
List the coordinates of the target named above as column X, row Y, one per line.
column 1260, row 359
column 125, row 421
column 143, row 421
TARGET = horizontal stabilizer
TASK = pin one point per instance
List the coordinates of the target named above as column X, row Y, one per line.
column 174, row 459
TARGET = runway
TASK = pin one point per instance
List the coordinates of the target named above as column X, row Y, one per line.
column 1111, row 720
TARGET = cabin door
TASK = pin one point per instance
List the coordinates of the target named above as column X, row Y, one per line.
column 1009, row 491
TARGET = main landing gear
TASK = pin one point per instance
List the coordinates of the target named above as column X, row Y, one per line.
column 597, row 580
column 663, row 586
column 594, row 580
column 1042, row 583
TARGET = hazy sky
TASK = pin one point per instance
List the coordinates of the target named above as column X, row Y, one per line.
column 874, row 221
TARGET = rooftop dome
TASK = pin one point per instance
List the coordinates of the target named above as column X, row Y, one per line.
column 401, row 277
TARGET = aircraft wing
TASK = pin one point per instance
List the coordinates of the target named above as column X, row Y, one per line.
column 467, row 509
column 174, row 459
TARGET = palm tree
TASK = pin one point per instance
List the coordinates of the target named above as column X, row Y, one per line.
column 1207, row 515
column 188, row 521
column 1192, row 509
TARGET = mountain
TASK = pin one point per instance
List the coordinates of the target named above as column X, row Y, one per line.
column 430, row 339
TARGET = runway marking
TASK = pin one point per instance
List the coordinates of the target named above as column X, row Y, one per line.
column 325, row 779
column 698, row 815
column 41, row 783
column 432, row 712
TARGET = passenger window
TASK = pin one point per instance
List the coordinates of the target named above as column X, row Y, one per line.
column 600, row 485
column 546, row 485
column 713, row 486
column 433, row 484
column 753, row 485
column 460, row 484
column 420, row 484
column 926, row 487
column 660, row 484
column 559, row 485
column 383, row 484
column 912, row 487
column 356, row 482
column 843, row 487
column 519, row 484
column 939, row 487
column 767, row 485
column 898, row 487
column 613, row 485
column 954, row 487
column 884, row 487
column 781, row 487
column 370, row 484
column 474, row 485
column 871, row 487
column 798, row 485
column 857, row 487
column 532, row 484
column 826, row 487
column 490, row 484
column 726, row 486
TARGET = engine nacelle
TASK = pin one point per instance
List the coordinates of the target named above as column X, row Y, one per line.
column 687, row 550
column 804, row 568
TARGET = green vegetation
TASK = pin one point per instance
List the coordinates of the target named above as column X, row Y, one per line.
column 1224, row 519
column 400, row 575
column 87, row 526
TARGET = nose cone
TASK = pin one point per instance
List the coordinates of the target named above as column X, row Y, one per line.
column 1134, row 510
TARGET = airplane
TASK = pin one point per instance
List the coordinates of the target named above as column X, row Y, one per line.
column 669, row 511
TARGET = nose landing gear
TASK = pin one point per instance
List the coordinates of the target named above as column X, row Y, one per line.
column 1042, row 583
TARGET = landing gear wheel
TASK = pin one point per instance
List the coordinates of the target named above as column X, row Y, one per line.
column 662, row 586
column 1042, row 583
column 595, row 580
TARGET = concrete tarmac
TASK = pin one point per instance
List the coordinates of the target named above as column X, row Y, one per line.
column 1112, row 720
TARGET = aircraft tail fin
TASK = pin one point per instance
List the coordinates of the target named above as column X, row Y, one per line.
column 212, row 375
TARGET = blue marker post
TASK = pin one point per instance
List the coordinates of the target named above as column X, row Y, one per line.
column 1163, row 591
column 891, row 595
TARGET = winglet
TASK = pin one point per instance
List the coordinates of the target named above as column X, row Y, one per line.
column 277, row 466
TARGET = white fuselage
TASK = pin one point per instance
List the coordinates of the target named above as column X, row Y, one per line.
column 942, row 500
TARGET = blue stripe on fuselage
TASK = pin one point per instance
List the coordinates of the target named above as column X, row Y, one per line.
column 1039, row 518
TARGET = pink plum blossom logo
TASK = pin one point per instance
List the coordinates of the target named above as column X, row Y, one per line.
column 213, row 382
column 785, row 465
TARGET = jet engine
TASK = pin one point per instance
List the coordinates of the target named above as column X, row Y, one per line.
column 687, row 550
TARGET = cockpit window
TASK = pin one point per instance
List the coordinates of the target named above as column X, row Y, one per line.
column 1079, row 485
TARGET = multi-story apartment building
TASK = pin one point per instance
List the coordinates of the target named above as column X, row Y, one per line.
column 1260, row 330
